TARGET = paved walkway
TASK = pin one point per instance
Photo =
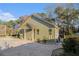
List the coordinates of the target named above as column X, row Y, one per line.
column 27, row 48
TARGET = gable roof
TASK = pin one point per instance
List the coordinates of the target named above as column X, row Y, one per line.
column 42, row 21
column 38, row 18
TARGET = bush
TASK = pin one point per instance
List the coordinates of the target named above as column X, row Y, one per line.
column 44, row 41
column 69, row 45
column 38, row 41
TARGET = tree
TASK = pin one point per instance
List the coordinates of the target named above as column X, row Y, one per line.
column 2, row 22
column 49, row 11
column 68, row 14
column 17, row 21
column 12, row 23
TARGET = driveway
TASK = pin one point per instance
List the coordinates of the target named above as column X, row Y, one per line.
column 11, row 46
column 31, row 49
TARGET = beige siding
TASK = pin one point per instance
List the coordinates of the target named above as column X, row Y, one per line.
column 43, row 31
column 29, row 35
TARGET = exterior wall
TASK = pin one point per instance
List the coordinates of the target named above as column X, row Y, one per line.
column 29, row 35
column 43, row 31
column 2, row 30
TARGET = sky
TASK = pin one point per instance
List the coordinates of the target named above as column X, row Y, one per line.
column 12, row 11
column 16, row 10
